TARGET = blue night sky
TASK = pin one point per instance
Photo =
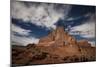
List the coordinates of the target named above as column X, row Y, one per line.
column 32, row 21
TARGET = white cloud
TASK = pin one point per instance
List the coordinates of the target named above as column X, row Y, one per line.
column 17, row 40
column 19, row 30
column 93, row 44
column 86, row 30
column 39, row 13
column 21, row 40
column 73, row 18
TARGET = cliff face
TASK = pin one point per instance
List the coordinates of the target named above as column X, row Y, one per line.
column 57, row 37
column 63, row 42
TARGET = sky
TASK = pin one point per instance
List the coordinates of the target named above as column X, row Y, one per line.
column 31, row 21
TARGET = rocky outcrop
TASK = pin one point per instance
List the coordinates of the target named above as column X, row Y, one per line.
column 57, row 37
column 30, row 46
column 84, row 43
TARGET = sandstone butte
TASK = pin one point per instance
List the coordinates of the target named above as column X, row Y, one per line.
column 57, row 47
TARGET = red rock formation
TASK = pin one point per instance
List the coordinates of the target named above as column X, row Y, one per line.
column 84, row 43
column 57, row 37
column 57, row 47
